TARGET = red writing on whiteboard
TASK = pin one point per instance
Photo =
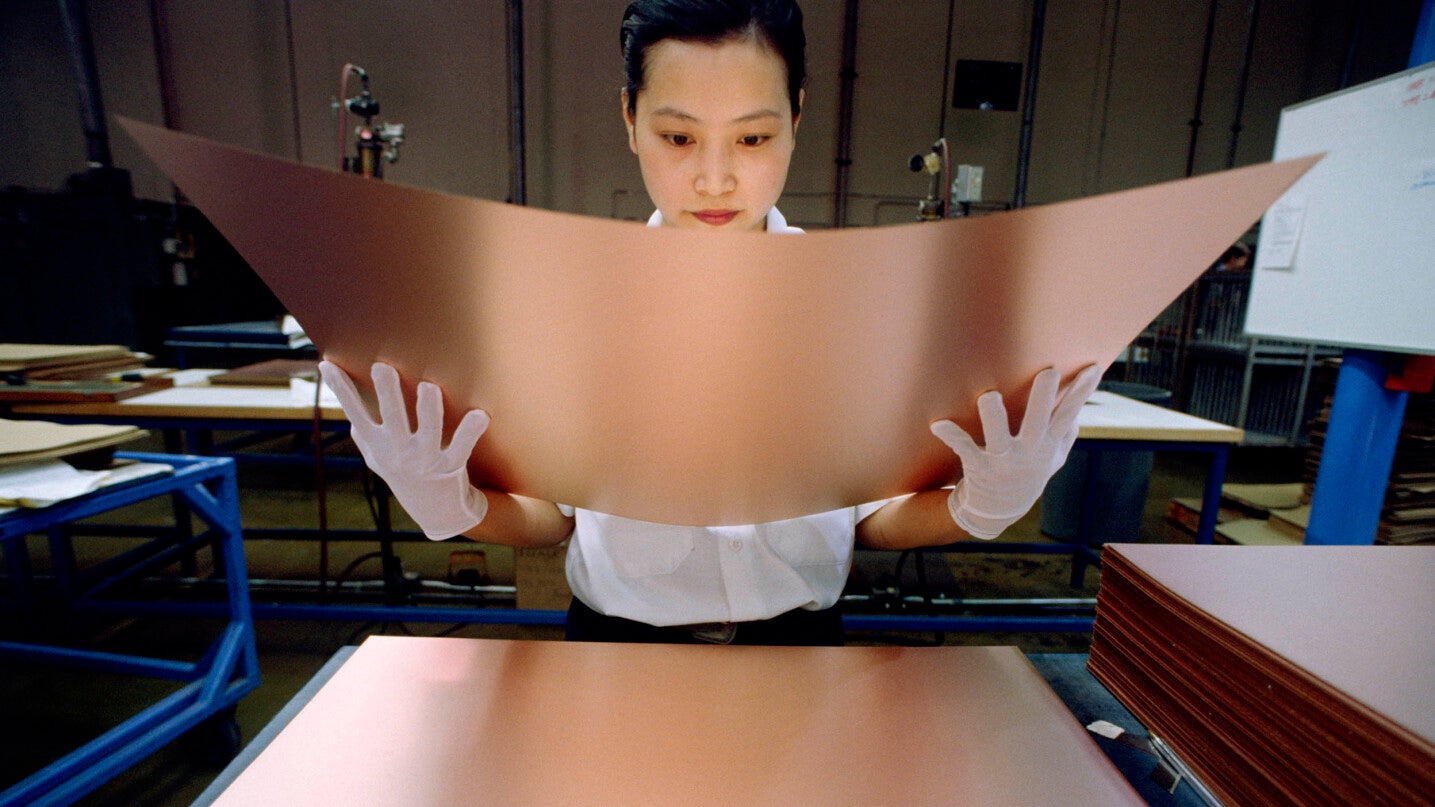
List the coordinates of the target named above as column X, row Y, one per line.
column 1418, row 98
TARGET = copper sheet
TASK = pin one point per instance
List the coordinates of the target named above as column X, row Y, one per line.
column 1280, row 675
column 709, row 378
column 465, row 721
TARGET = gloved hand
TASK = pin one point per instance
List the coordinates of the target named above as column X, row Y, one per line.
column 1000, row 482
column 428, row 479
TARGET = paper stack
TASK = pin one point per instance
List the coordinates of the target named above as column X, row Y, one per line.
column 32, row 473
column 1409, row 513
column 1280, row 675
column 34, row 372
column 28, row 440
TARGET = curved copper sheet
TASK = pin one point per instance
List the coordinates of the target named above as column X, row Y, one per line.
column 708, row 378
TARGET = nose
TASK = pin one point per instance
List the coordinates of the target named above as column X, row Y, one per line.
column 715, row 175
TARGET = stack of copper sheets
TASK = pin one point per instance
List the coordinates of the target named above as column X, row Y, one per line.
column 1278, row 674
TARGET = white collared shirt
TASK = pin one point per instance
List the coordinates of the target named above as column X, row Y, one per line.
column 667, row 575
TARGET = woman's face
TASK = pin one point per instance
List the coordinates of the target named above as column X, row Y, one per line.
column 713, row 131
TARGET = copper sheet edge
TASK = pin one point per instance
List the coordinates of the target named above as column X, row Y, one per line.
column 709, row 378
column 454, row 721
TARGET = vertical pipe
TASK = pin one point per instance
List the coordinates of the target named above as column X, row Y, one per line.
column 848, row 75
column 1352, row 44
column 87, row 82
column 293, row 79
column 1201, row 88
column 1422, row 48
column 159, row 32
column 946, row 101
column 1028, row 103
column 515, row 98
column 1355, row 462
column 1243, row 81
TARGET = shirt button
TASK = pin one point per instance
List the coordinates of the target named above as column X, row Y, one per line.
column 735, row 544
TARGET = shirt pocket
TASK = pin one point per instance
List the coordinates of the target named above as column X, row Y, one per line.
column 645, row 550
column 802, row 547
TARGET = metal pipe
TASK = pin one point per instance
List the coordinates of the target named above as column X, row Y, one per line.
column 1352, row 44
column 293, row 79
column 1243, row 81
column 848, row 75
column 1028, row 103
column 515, row 98
column 947, row 73
column 87, row 82
column 1201, row 88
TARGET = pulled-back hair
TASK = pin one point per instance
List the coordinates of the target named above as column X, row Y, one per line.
column 776, row 23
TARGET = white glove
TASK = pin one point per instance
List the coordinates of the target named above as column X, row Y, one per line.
column 1002, row 481
column 428, row 479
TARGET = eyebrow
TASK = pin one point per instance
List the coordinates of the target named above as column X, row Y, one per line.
column 673, row 112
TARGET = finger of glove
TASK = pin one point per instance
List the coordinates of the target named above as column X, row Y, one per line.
column 393, row 414
column 473, row 426
column 996, row 427
column 428, row 425
column 1073, row 397
column 957, row 440
column 360, row 418
column 1040, row 405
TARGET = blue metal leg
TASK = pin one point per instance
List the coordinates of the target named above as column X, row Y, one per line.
column 1359, row 449
column 1422, row 47
column 1082, row 545
column 1211, row 496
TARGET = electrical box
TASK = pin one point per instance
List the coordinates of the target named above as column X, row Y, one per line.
column 967, row 187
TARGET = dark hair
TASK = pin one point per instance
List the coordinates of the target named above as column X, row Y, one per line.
column 778, row 23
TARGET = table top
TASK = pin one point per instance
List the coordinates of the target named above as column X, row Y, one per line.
column 444, row 721
column 1107, row 416
column 193, row 396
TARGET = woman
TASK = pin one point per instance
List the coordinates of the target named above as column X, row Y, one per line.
column 712, row 106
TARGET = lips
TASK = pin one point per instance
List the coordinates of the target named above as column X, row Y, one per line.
column 716, row 218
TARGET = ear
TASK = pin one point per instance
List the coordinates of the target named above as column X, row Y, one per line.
column 629, row 121
column 801, row 101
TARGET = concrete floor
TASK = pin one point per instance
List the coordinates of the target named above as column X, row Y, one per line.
column 45, row 712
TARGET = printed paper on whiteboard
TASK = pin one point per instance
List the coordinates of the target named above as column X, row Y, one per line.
column 1280, row 231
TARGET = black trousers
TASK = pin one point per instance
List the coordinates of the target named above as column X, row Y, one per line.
column 796, row 627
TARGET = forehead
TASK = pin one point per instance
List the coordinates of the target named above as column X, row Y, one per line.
column 718, row 81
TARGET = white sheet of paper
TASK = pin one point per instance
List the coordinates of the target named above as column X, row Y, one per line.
column 1283, row 223
column 44, row 482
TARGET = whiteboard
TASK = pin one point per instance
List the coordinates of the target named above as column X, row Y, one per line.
column 1347, row 255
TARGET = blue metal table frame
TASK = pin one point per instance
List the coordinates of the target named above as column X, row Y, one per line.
column 1084, row 552
column 226, row 672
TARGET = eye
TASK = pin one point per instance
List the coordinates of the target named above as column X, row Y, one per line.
column 677, row 139
column 755, row 140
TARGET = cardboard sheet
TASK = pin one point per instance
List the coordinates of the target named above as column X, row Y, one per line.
column 28, row 440
column 709, row 378
column 421, row 721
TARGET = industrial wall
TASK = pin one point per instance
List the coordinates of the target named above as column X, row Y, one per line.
column 1117, row 90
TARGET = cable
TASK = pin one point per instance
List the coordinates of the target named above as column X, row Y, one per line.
column 349, row 67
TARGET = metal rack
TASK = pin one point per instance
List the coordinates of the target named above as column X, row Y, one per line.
column 210, row 686
column 1197, row 349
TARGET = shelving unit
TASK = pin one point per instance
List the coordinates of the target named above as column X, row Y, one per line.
column 1197, row 349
